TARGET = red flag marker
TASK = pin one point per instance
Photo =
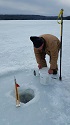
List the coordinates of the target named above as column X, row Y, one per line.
column 17, row 85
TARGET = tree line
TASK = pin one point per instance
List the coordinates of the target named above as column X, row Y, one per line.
column 29, row 17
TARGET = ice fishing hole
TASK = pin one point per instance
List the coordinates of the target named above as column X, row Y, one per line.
column 26, row 96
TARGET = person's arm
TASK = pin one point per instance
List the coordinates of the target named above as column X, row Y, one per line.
column 40, row 58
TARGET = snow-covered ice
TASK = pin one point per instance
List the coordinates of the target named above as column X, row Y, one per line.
column 51, row 102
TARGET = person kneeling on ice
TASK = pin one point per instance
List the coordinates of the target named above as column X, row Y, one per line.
column 46, row 44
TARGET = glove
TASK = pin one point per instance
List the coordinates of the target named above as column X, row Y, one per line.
column 39, row 66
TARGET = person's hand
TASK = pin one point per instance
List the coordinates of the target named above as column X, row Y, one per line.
column 50, row 71
column 39, row 66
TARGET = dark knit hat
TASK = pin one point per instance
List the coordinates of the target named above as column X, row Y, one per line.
column 37, row 41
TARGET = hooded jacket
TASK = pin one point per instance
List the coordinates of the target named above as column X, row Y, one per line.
column 51, row 47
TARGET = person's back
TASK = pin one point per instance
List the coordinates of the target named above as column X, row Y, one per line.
column 50, row 38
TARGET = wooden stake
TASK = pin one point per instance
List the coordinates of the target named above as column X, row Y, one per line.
column 17, row 94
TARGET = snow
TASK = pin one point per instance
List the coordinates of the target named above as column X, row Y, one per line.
column 51, row 102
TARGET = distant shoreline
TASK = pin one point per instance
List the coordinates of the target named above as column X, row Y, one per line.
column 29, row 17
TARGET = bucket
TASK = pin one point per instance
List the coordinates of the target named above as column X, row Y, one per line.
column 44, row 76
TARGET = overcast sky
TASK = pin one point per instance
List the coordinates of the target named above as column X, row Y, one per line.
column 36, row 7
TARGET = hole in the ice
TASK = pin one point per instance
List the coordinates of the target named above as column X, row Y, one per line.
column 26, row 96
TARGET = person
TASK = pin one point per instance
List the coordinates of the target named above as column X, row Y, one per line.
column 46, row 44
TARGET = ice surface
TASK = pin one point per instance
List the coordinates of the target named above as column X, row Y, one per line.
column 51, row 103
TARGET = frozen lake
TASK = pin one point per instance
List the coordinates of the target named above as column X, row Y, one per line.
column 51, row 103
column 16, row 49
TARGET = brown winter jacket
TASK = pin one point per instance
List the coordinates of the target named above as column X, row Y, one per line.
column 52, row 46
